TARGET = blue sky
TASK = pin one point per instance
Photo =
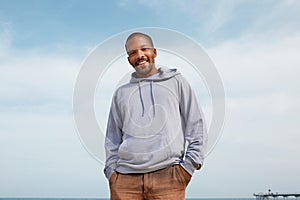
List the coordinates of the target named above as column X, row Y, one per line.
column 254, row 44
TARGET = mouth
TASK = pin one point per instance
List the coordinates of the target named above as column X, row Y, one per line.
column 141, row 62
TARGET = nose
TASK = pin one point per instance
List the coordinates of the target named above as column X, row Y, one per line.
column 140, row 54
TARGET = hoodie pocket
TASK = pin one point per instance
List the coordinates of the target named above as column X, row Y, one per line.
column 142, row 150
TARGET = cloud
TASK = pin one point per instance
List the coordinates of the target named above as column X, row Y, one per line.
column 261, row 78
column 5, row 37
column 39, row 145
column 259, row 142
column 259, row 66
column 34, row 78
column 214, row 22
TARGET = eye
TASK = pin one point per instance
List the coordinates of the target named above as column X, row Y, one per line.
column 131, row 53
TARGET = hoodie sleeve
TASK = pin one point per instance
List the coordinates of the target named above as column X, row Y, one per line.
column 193, row 126
column 113, row 139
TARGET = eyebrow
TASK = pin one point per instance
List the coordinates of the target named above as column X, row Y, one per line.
column 143, row 46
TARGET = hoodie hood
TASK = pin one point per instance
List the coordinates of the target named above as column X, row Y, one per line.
column 164, row 74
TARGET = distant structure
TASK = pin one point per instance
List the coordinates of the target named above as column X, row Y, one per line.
column 269, row 195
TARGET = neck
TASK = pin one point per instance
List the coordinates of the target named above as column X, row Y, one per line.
column 152, row 72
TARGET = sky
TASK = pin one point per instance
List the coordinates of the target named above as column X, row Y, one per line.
column 255, row 46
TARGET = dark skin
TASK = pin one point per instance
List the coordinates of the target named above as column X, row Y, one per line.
column 141, row 56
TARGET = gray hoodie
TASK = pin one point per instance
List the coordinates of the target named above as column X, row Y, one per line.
column 154, row 122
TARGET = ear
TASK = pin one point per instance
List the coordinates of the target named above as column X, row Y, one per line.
column 154, row 52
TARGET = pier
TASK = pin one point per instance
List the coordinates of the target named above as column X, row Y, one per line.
column 271, row 195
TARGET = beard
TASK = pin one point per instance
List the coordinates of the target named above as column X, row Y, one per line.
column 144, row 70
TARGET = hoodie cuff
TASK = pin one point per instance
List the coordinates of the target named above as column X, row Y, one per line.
column 108, row 172
column 190, row 167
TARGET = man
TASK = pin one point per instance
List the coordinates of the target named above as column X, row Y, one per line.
column 155, row 135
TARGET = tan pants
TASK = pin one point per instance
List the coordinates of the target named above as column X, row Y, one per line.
column 169, row 183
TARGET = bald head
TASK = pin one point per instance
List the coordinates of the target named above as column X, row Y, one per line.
column 138, row 34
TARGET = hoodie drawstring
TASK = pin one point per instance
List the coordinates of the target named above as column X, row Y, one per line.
column 141, row 98
column 152, row 98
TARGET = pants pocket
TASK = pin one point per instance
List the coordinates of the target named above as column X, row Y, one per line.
column 182, row 175
column 114, row 180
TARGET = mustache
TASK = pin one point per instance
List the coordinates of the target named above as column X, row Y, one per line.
column 141, row 60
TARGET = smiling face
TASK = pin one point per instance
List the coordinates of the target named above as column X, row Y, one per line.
column 141, row 55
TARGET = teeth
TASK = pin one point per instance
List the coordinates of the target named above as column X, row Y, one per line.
column 140, row 63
